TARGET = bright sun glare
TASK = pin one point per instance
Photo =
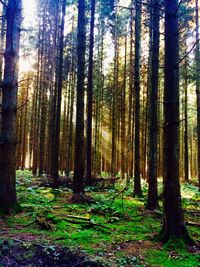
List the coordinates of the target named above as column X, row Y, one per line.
column 29, row 9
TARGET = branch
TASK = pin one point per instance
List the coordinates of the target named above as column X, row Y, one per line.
column 179, row 4
column 188, row 52
column 86, row 222
column 150, row 5
column 3, row 3
column 192, row 224
column 125, row 7
column 23, row 104
column 142, row 3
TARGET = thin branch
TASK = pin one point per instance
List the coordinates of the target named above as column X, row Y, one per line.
column 142, row 3
column 150, row 5
column 179, row 4
column 188, row 52
column 2, row 2
column 125, row 7
column 24, row 80
column 23, row 104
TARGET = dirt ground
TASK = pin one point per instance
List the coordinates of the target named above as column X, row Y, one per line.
column 18, row 253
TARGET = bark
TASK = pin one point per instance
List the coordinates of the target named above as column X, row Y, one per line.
column 69, row 156
column 197, row 59
column 78, row 183
column 152, row 202
column 2, row 39
column 63, row 142
column 114, row 106
column 24, row 140
column 8, row 198
column 36, row 112
column 137, row 180
column 174, row 224
column 56, row 140
column 2, row 45
column 98, row 103
column 90, row 98
column 186, row 152
column 43, row 96
column 71, row 129
column 123, row 115
column 53, row 59
column 130, row 130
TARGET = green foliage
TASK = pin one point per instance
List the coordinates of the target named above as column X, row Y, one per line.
column 117, row 229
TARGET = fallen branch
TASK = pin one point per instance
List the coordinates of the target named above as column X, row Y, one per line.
column 78, row 217
column 89, row 223
column 192, row 224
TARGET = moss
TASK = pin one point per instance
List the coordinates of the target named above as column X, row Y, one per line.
column 127, row 221
column 171, row 258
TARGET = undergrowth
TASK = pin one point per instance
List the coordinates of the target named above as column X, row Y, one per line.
column 116, row 229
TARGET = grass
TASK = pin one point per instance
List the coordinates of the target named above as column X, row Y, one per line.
column 117, row 231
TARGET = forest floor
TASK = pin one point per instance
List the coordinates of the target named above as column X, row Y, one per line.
column 114, row 230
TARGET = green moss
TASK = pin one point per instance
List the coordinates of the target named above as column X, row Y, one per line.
column 126, row 219
column 170, row 258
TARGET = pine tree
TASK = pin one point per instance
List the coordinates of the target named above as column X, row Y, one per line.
column 8, row 198
column 173, row 222
column 79, row 163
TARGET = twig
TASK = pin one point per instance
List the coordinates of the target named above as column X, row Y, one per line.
column 30, row 223
column 192, row 224
column 3, row 3
column 188, row 52
column 86, row 222
column 77, row 217
column 179, row 4
column 23, row 104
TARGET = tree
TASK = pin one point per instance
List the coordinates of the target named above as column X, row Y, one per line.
column 78, row 182
column 90, row 98
column 131, row 117
column 2, row 38
column 186, row 150
column 43, row 88
column 58, row 100
column 137, row 180
column 173, row 224
column 197, row 59
column 8, row 198
column 152, row 202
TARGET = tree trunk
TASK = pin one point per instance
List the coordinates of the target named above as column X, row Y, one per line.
column 123, row 114
column 24, row 140
column 115, row 89
column 78, row 183
column 8, row 198
column 130, row 130
column 137, row 180
column 2, row 38
column 197, row 58
column 152, row 202
column 186, row 152
column 173, row 225
column 43, row 96
column 56, row 140
column 90, row 98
